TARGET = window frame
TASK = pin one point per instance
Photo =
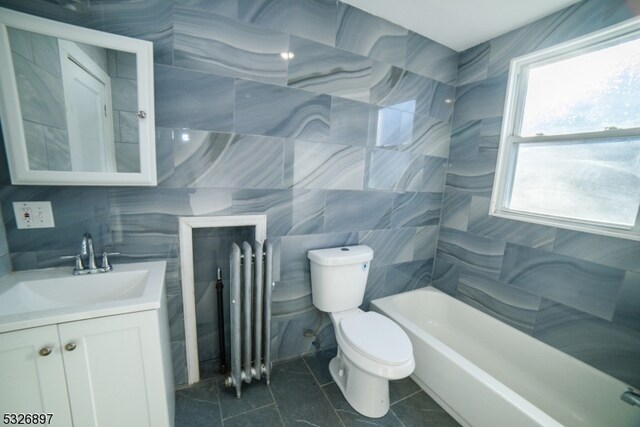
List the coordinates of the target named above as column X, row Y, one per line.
column 512, row 121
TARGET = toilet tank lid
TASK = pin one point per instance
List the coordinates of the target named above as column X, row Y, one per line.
column 341, row 256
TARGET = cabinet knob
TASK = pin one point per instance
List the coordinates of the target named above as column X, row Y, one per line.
column 142, row 114
column 45, row 351
column 70, row 346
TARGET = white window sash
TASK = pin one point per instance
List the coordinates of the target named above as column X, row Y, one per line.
column 512, row 120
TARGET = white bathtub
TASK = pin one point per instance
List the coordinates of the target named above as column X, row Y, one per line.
column 486, row 373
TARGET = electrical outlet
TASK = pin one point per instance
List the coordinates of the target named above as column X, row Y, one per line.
column 33, row 214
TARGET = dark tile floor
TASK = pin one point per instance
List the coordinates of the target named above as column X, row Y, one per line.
column 301, row 392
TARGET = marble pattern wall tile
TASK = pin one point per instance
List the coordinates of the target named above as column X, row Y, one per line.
column 523, row 233
column 124, row 94
column 391, row 246
column 408, row 276
column 455, row 210
column 585, row 286
column 36, row 145
column 288, row 212
column 446, row 275
column 375, row 284
column 368, row 35
column 286, row 112
column 70, row 221
column 394, row 170
column 164, row 157
column 465, row 140
column 435, row 170
column 416, row 209
column 472, row 176
column 470, row 251
column 426, row 241
column 399, row 130
column 223, row 46
column 431, row 137
column 222, row 7
column 58, row 151
column 193, row 100
column 291, row 300
column 294, row 263
column 55, row 11
column 513, row 306
column 357, row 210
column 41, row 95
column 403, row 90
column 349, row 121
column 611, row 349
column 473, row 64
column 323, row 69
column 480, row 99
column 210, row 159
column 627, row 312
column 431, row 59
column 391, row 128
column 329, row 166
column 619, row 253
column 150, row 20
column 314, row 19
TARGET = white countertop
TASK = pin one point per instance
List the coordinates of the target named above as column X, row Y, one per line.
column 74, row 299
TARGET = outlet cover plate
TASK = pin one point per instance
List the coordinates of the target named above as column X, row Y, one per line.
column 33, row 214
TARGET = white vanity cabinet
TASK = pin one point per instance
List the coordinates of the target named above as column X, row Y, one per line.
column 104, row 371
column 31, row 382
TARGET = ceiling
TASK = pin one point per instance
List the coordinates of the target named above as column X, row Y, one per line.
column 460, row 24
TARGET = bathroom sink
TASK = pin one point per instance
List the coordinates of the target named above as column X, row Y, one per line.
column 37, row 297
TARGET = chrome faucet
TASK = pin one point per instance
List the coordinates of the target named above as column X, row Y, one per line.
column 86, row 259
column 87, row 254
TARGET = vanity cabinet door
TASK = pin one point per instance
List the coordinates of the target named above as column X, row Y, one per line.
column 32, row 377
column 112, row 366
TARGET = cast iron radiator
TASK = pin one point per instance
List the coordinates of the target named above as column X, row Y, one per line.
column 251, row 273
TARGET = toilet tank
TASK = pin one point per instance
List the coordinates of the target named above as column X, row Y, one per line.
column 339, row 276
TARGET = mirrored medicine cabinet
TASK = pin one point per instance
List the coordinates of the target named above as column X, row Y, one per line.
column 76, row 105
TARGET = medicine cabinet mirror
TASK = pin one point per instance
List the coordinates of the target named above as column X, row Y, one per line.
column 76, row 105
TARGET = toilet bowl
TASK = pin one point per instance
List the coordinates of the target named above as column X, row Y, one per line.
column 372, row 349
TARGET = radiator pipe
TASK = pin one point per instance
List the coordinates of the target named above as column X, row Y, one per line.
column 268, row 289
column 246, row 311
column 257, row 297
column 221, row 344
column 235, row 379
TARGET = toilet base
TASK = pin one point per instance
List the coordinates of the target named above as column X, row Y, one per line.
column 366, row 393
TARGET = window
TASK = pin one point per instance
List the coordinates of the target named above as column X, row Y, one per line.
column 570, row 144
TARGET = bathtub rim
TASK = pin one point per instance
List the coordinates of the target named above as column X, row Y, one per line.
column 525, row 407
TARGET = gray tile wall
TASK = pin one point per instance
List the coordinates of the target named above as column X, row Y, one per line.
column 39, row 81
column 345, row 143
column 5, row 259
column 577, row 292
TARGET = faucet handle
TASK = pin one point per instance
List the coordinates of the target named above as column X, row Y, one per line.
column 78, row 260
column 105, row 260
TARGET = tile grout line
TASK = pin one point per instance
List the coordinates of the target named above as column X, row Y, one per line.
column 397, row 417
column 408, row 396
column 323, row 392
column 219, row 402
column 275, row 404
column 249, row 411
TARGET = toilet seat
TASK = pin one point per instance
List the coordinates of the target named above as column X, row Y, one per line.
column 377, row 338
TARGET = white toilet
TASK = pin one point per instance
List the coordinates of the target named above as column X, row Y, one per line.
column 372, row 349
